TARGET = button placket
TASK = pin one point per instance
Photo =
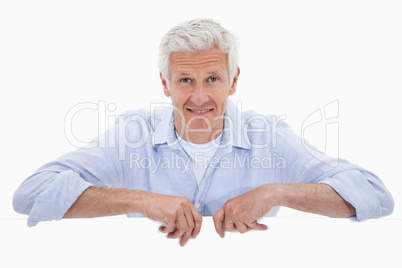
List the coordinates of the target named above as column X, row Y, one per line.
column 207, row 181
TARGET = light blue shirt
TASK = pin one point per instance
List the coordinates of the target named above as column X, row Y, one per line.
column 141, row 152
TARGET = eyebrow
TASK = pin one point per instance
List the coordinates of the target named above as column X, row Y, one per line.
column 183, row 74
column 213, row 72
column 187, row 74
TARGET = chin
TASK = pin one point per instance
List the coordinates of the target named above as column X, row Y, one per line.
column 201, row 125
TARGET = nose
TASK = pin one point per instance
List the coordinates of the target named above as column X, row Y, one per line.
column 199, row 95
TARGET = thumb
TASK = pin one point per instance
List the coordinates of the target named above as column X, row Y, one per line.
column 257, row 226
column 219, row 218
column 168, row 227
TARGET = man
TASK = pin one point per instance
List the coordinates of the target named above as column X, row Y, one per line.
column 201, row 157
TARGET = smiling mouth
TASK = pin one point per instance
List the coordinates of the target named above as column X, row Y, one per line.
column 199, row 111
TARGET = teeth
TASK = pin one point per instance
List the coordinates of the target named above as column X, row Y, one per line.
column 199, row 112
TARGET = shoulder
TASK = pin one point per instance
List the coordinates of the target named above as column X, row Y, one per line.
column 132, row 125
column 134, row 114
column 250, row 119
column 268, row 126
column 142, row 116
column 141, row 120
column 252, row 128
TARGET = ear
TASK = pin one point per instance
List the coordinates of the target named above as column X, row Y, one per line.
column 233, row 88
column 164, row 84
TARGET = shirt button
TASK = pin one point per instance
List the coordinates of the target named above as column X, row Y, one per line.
column 197, row 205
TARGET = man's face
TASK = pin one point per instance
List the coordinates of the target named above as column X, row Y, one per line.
column 199, row 89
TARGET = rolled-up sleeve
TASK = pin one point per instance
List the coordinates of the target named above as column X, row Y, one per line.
column 358, row 186
column 47, row 196
column 364, row 191
column 52, row 189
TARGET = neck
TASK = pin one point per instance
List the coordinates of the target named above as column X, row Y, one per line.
column 198, row 136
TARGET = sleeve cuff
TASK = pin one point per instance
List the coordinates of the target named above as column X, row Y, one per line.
column 354, row 188
column 53, row 203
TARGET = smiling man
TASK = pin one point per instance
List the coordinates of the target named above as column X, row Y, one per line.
column 212, row 159
column 199, row 89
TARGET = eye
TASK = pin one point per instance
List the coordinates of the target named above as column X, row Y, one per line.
column 185, row 80
column 213, row 79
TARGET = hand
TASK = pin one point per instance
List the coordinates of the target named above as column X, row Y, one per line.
column 181, row 217
column 242, row 212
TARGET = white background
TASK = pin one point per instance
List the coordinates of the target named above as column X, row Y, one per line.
column 296, row 57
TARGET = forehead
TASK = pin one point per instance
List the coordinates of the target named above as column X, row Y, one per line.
column 213, row 58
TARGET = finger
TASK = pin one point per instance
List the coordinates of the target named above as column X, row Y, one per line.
column 184, row 239
column 181, row 226
column 229, row 225
column 197, row 222
column 166, row 230
column 257, row 226
column 240, row 226
column 169, row 227
column 219, row 219
column 190, row 223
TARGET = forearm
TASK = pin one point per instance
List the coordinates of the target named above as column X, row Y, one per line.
column 99, row 202
column 313, row 198
column 181, row 217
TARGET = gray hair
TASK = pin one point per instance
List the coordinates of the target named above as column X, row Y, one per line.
column 198, row 35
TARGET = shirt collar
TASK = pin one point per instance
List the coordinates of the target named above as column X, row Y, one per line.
column 164, row 126
column 233, row 130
